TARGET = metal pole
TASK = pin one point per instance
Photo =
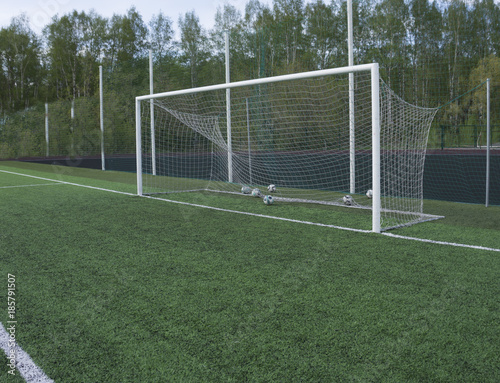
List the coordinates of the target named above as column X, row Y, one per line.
column 488, row 142
column 138, row 145
column 352, row 141
column 72, row 127
column 47, row 128
column 152, row 114
column 228, row 112
column 101, row 109
column 249, row 149
column 377, row 205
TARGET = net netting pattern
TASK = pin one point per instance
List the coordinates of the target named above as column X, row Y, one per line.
column 294, row 134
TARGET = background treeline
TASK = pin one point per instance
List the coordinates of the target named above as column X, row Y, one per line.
column 430, row 52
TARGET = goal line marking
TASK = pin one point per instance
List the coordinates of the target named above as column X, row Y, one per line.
column 259, row 215
column 24, row 364
column 453, row 244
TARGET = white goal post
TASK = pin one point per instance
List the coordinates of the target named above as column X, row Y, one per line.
column 291, row 131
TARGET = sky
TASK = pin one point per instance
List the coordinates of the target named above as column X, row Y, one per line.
column 40, row 12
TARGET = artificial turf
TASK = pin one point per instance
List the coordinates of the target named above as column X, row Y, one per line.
column 117, row 288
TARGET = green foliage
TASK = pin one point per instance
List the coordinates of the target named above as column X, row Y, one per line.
column 22, row 134
column 429, row 53
column 426, row 51
column 21, row 71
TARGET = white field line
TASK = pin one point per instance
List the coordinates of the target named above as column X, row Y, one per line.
column 24, row 364
column 195, row 205
column 66, row 183
column 453, row 244
column 260, row 215
column 440, row 242
column 27, row 186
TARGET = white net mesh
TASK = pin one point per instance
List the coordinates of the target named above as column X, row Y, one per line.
column 404, row 134
column 292, row 134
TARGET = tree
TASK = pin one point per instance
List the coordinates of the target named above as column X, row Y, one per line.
column 425, row 33
column 260, row 18
column 193, row 43
column 323, row 31
column 485, row 28
column 363, row 45
column 20, row 52
column 127, row 38
column 289, row 30
column 161, row 36
column 227, row 18
column 63, row 54
column 389, row 29
column 76, row 44
column 93, row 31
column 456, row 20
column 488, row 67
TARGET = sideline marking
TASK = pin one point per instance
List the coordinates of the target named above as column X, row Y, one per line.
column 440, row 242
column 67, row 183
column 25, row 186
column 24, row 364
column 453, row 244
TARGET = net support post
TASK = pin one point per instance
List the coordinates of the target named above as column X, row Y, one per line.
column 138, row 146
column 488, row 143
column 101, row 117
column 228, row 112
column 152, row 108
column 248, row 139
column 72, row 127
column 376, row 203
column 47, row 128
column 352, row 137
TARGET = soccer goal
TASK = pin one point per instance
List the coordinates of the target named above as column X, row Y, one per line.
column 317, row 136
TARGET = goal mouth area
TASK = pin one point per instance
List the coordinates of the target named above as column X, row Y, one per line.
column 320, row 132
column 324, row 213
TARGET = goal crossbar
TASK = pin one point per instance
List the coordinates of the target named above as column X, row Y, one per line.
column 266, row 80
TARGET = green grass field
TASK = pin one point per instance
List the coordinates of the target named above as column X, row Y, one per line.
column 117, row 288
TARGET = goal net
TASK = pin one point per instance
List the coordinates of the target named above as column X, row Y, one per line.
column 317, row 136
